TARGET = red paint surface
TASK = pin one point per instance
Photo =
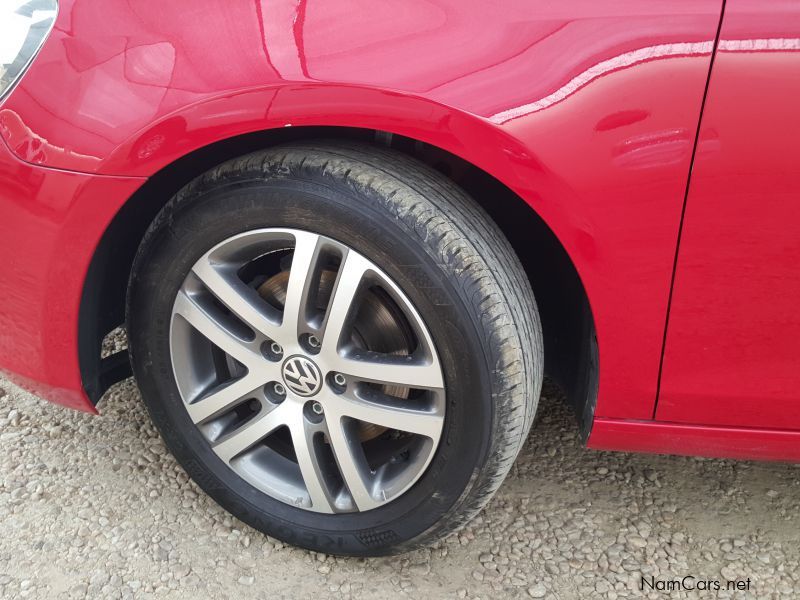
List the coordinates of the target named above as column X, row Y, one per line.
column 689, row 440
column 733, row 344
column 587, row 109
column 50, row 223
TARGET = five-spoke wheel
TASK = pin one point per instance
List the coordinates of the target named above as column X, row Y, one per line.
column 286, row 334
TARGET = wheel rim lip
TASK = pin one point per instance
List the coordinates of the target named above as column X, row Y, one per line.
column 248, row 469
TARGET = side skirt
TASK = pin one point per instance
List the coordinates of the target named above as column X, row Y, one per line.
column 695, row 440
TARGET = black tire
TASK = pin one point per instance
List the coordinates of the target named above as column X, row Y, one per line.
column 449, row 259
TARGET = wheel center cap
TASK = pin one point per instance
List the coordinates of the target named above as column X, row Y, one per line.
column 301, row 375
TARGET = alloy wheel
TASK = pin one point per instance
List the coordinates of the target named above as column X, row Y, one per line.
column 308, row 370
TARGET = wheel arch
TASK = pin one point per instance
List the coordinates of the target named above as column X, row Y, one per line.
column 570, row 339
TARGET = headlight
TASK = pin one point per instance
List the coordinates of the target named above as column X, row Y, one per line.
column 24, row 26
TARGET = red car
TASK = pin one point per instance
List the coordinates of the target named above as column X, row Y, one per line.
column 347, row 238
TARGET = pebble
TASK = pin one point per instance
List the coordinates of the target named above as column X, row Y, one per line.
column 637, row 542
column 537, row 591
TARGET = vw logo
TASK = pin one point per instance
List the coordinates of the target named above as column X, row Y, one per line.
column 301, row 376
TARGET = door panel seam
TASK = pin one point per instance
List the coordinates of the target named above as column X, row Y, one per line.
column 683, row 207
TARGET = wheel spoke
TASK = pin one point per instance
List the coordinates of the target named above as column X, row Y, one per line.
column 391, row 414
column 212, row 329
column 310, row 467
column 301, row 273
column 223, row 398
column 351, row 460
column 390, row 370
column 251, row 433
column 348, row 282
column 241, row 300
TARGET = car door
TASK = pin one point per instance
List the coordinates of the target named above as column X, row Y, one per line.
column 732, row 349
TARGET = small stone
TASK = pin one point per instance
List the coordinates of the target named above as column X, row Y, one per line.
column 537, row 590
column 637, row 542
column 247, row 580
column 181, row 571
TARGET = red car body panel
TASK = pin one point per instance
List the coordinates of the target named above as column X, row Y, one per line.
column 690, row 440
column 733, row 343
column 587, row 110
column 50, row 221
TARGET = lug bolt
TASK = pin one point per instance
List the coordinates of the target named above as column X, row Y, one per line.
column 316, row 407
column 339, row 379
column 275, row 347
column 313, row 341
column 279, row 389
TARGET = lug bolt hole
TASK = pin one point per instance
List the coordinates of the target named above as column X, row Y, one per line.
column 272, row 351
column 311, row 343
column 338, row 382
column 275, row 392
column 314, row 412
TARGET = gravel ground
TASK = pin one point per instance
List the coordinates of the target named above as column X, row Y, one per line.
column 95, row 507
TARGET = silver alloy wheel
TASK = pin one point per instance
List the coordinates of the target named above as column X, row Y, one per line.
column 308, row 370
